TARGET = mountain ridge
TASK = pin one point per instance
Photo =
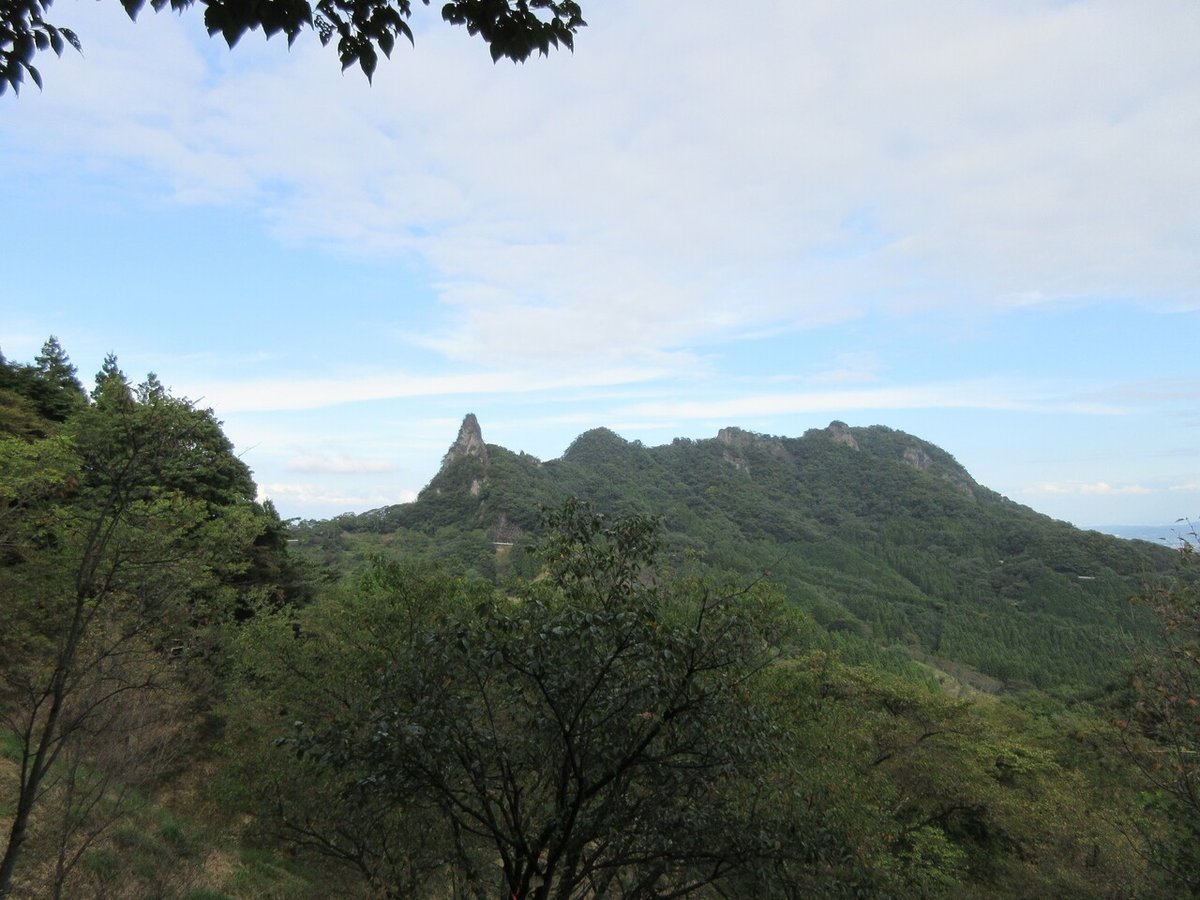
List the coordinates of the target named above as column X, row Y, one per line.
column 884, row 539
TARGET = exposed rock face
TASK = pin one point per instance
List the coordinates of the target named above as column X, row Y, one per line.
column 738, row 462
column 469, row 443
column 737, row 441
column 925, row 458
column 735, row 437
column 917, row 458
column 841, row 434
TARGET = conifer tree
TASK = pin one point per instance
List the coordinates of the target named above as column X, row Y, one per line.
column 54, row 386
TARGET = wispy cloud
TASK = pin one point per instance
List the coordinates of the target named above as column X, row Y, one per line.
column 1101, row 488
column 340, row 465
column 319, row 495
column 819, row 167
column 852, row 368
column 317, row 393
column 873, row 208
column 981, row 395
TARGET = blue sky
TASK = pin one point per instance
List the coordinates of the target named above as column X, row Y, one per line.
column 976, row 222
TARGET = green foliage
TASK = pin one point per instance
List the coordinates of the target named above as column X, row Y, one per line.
column 23, row 33
column 59, row 375
column 600, row 732
column 890, row 545
column 512, row 29
column 578, row 720
column 103, row 863
column 323, row 665
column 1160, row 725
column 35, row 398
column 940, row 797
column 121, row 537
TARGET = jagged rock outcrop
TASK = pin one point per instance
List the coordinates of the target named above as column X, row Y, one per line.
column 737, row 441
column 917, row 458
column 841, row 434
column 935, row 461
column 875, row 533
column 469, row 443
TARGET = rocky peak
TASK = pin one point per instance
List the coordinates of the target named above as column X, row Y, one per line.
column 737, row 442
column 734, row 437
column 841, row 434
column 740, row 439
column 469, row 443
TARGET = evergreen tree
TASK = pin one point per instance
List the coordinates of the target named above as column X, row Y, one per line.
column 19, row 415
column 119, row 537
column 110, row 378
column 61, row 392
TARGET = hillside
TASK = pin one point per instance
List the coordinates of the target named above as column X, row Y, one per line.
column 883, row 538
column 189, row 709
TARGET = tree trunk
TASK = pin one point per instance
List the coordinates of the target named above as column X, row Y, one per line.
column 16, row 837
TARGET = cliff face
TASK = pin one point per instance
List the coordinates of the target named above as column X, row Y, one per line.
column 737, row 442
column 469, row 443
column 841, row 434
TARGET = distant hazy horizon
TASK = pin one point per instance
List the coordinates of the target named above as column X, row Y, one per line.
column 1171, row 535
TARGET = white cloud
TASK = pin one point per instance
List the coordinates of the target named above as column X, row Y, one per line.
column 852, row 368
column 600, row 230
column 940, row 155
column 1103, row 487
column 983, row 395
column 315, row 393
column 338, row 465
column 312, row 495
column 1099, row 488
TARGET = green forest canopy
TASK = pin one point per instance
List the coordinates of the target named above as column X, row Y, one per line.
column 632, row 708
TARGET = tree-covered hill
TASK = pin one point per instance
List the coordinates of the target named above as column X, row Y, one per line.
column 719, row 684
column 882, row 537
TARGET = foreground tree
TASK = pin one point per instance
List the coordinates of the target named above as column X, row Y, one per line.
column 513, row 29
column 323, row 663
column 600, row 735
column 118, row 536
column 1160, row 730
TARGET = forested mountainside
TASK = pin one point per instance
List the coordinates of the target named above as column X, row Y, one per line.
column 726, row 668
column 884, row 539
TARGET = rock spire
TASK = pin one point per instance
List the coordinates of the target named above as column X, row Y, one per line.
column 469, row 443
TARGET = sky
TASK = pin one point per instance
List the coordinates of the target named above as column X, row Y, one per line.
column 976, row 222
